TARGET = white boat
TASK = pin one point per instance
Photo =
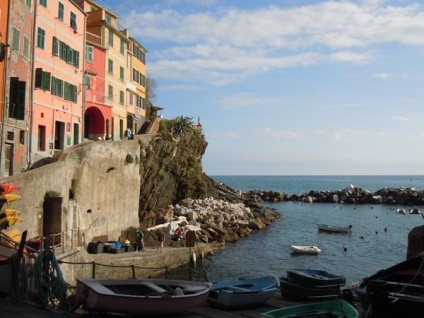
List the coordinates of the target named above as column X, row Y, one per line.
column 140, row 296
column 243, row 291
column 305, row 249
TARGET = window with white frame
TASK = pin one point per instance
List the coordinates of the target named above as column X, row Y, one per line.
column 16, row 39
column 89, row 55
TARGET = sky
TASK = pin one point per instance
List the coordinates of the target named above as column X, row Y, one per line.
column 290, row 87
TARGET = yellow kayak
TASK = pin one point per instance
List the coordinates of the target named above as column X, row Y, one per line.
column 9, row 197
column 13, row 234
column 11, row 219
column 9, row 212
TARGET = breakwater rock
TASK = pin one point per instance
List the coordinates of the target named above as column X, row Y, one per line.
column 350, row 195
column 216, row 220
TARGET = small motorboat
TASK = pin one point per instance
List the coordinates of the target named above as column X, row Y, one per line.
column 401, row 211
column 140, row 296
column 334, row 229
column 415, row 211
column 305, row 249
column 395, row 291
column 299, row 292
column 244, row 291
column 337, row 308
column 314, row 277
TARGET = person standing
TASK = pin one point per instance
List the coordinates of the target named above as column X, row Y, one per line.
column 140, row 241
column 161, row 238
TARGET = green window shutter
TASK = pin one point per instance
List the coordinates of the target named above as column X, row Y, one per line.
column 75, row 94
column 76, row 59
column 38, row 77
column 46, row 81
column 67, row 91
column 54, row 86
column 55, row 46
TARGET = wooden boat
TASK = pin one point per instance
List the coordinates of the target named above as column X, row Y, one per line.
column 9, row 221
column 295, row 291
column 6, row 188
column 9, row 197
column 141, row 296
column 305, row 249
column 396, row 290
column 9, row 212
column 334, row 229
column 243, row 291
column 7, row 267
column 333, row 308
column 314, row 277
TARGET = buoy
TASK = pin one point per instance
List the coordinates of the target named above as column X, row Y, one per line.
column 344, row 248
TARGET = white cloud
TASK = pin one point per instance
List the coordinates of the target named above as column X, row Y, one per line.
column 228, row 45
column 244, row 100
column 278, row 134
column 226, row 135
column 401, row 118
column 383, row 75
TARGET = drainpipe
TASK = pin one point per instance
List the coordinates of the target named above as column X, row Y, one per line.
column 31, row 93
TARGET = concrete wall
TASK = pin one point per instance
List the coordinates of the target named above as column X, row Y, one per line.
column 105, row 191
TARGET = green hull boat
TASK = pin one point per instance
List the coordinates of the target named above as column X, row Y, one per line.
column 334, row 308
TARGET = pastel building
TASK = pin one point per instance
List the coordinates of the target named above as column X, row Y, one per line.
column 58, row 76
column 136, row 92
column 16, row 41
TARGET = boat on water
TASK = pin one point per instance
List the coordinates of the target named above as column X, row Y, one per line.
column 300, row 292
column 305, row 249
column 243, row 291
column 401, row 211
column 334, row 229
column 415, row 211
column 333, row 308
column 140, row 296
column 394, row 291
column 314, row 277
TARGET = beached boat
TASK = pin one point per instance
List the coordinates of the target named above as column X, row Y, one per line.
column 334, row 229
column 400, row 211
column 9, row 212
column 243, row 291
column 141, row 296
column 415, row 211
column 333, row 308
column 314, row 277
column 305, row 249
column 8, row 187
column 395, row 291
column 295, row 291
column 8, row 268
column 9, row 221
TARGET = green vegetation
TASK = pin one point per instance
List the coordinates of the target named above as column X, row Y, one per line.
column 129, row 159
column 53, row 194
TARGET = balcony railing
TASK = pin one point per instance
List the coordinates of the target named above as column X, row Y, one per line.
column 93, row 38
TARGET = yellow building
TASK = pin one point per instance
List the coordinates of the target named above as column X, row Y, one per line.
column 136, row 106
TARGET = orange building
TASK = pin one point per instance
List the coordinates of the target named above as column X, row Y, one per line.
column 17, row 33
column 60, row 31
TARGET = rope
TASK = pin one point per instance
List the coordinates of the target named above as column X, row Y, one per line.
column 49, row 281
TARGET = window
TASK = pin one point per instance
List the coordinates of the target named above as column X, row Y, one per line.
column 16, row 39
column 87, row 81
column 142, row 103
column 26, row 47
column 43, row 3
column 108, row 18
column 41, row 138
column 56, row 46
column 17, row 99
column 89, row 56
column 121, row 97
column 110, row 92
column 142, row 80
column 73, row 21
column 135, row 75
column 131, row 99
column 110, row 40
column 61, row 11
column 121, row 73
column 110, row 66
column 42, row 79
column 122, row 47
column 41, row 34
column 28, row 4
column 22, row 137
column 57, row 87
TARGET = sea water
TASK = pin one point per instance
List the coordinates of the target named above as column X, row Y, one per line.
column 378, row 239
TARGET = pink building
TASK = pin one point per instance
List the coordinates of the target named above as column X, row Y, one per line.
column 98, row 115
column 57, row 120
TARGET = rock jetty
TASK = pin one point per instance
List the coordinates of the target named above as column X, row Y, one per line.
column 217, row 220
column 349, row 195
